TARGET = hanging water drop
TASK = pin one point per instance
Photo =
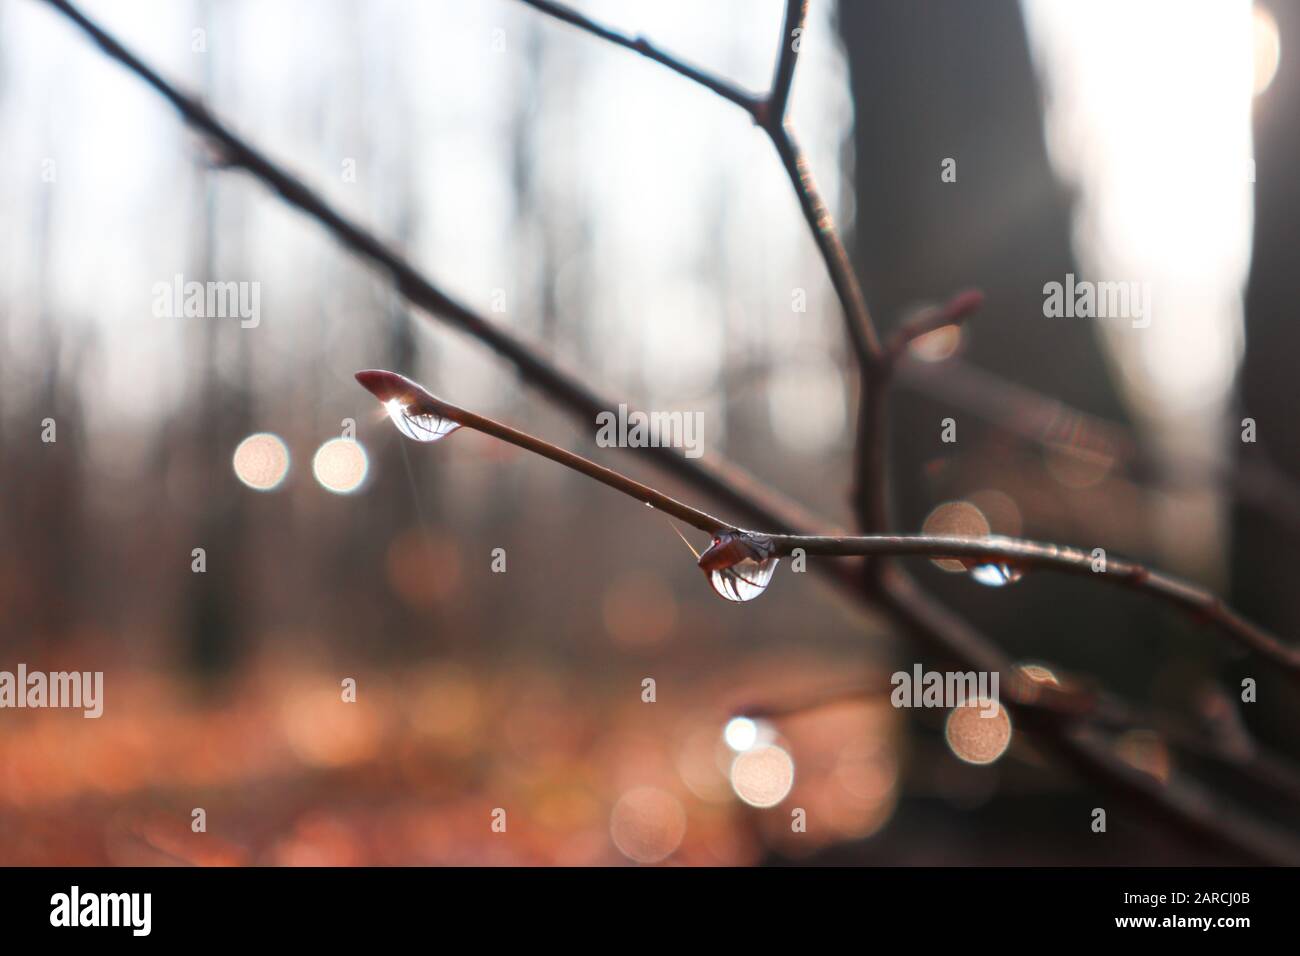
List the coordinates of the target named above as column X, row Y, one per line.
column 402, row 400
column 996, row 575
column 739, row 565
column 744, row 582
column 419, row 427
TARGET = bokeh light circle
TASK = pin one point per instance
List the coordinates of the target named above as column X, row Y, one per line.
column 957, row 519
column 741, row 733
column 341, row 465
column 261, row 461
column 763, row 776
column 647, row 824
column 974, row 737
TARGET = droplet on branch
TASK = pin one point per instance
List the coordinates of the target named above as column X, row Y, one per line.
column 739, row 565
column 997, row 574
column 423, row 428
column 400, row 397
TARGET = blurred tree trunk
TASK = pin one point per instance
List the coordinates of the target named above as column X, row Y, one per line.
column 934, row 80
column 1267, row 553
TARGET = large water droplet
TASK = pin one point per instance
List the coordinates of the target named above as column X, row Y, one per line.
column 996, row 575
column 744, row 581
column 738, row 565
column 419, row 427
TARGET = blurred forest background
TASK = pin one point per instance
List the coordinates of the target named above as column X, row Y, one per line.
column 641, row 231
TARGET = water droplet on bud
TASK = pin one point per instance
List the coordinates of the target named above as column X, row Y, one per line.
column 739, row 565
column 996, row 575
column 418, row 427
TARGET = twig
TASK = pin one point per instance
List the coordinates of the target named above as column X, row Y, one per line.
column 796, row 12
column 1016, row 553
column 1253, row 762
column 728, row 91
column 1064, row 701
column 1200, row 814
column 871, row 474
column 414, row 399
column 861, row 327
column 1041, row 420
column 1200, row 603
column 1188, row 808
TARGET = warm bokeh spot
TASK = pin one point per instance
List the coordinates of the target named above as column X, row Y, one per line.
column 261, row 461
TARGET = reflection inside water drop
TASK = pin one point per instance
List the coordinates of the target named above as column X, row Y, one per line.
column 739, row 565
column 996, row 575
column 744, row 581
column 419, row 427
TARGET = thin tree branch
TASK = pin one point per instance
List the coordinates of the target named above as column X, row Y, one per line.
column 871, row 473
column 639, row 44
column 1262, row 767
column 796, row 12
column 1063, row 701
column 1201, row 814
column 1015, row 553
column 414, row 399
column 1254, row 762
column 1201, row 604
column 861, row 327
column 930, row 622
column 1182, row 803
column 1044, row 421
